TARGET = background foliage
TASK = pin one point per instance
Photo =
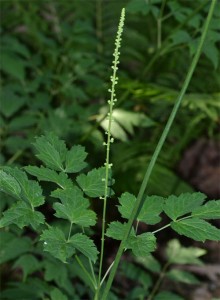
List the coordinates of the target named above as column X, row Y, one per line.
column 55, row 66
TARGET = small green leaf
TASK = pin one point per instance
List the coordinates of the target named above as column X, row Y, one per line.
column 168, row 296
column 196, row 229
column 75, row 159
column 56, row 243
column 92, row 184
column 28, row 263
column 177, row 206
column 178, row 254
column 74, row 207
column 211, row 210
column 182, row 276
column 51, row 151
column 116, row 230
column 13, row 246
column 45, row 174
column 141, row 245
column 149, row 262
column 9, row 185
column 56, row 294
column 22, row 215
column 31, row 191
column 85, row 245
column 150, row 210
column 13, row 65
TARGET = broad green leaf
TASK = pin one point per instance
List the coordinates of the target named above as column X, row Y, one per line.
column 74, row 207
column 10, row 101
column 92, row 184
column 9, row 185
column 21, row 215
column 85, row 245
column 13, row 246
column 150, row 210
column 56, row 243
column 13, row 65
column 211, row 210
column 182, row 276
column 178, row 254
column 75, row 159
column 141, row 245
column 31, row 191
column 56, row 294
column 28, row 263
column 196, row 229
column 51, row 151
column 177, row 206
column 45, row 174
column 167, row 296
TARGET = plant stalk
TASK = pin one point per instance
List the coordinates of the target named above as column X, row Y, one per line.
column 140, row 199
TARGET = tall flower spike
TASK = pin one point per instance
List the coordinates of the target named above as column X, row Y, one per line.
column 109, row 141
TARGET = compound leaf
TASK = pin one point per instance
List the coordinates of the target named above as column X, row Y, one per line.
column 196, row 229
column 51, row 151
column 74, row 207
column 75, row 159
column 45, row 174
column 211, row 210
column 9, row 185
column 92, row 184
column 56, row 243
column 141, row 245
column 22, row 215
column 85, row 245
column 182, row 276
column 176, row 206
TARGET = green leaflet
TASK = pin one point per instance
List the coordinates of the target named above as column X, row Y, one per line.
column 93, row 184
column 178, row 254
column 141, row 245
column 74, row 207
column 56, row 294
column 51, row 151
column 85, row 245
column 75, row 159
column 31, row 191
column 211, row 210
column 54, row 154
column 45, row 174
column 167, row 296
column 182, row 276
column 177, row 206
column 9, row 185
column 56, row 243
column 28, row 263
column 22, row 215
column 196, row 229
column 150, row 211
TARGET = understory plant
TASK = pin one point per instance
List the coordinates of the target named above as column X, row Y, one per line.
column 57, row 210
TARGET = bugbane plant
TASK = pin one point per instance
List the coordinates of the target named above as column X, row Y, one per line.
column 72, row 191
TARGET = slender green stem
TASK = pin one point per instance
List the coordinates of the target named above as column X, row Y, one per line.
column 162, row 228
column 85, row 271
column 70, row 230
column 157, row 284
column 159, row 24
column 140, row 198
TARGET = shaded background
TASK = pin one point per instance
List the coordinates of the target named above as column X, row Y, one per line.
column 55, row 69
